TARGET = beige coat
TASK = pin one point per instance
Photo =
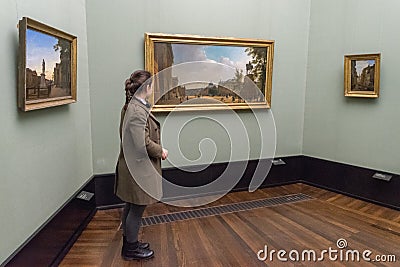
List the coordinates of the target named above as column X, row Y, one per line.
column 142, row 136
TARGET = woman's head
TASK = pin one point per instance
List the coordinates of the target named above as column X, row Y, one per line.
column 133, row 85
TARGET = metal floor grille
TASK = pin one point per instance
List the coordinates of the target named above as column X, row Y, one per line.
column 223, row 209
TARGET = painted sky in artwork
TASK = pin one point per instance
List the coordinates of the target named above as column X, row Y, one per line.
column 230, row 55
column 233, row 57
column 361, row 64
column 39, row 46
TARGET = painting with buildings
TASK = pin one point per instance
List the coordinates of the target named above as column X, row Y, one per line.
column 233, row 72
column 47, row 66
column 361, row 74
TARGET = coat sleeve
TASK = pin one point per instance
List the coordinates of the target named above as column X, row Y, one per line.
column 139, row 130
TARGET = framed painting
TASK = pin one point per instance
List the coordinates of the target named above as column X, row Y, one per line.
column 195, row 72
column 361, row 75
column 47, row 66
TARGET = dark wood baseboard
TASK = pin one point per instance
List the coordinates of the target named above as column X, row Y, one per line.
column 48, row 246
column 278, row 175
column 342, row 178
column 289, row 173
column 104, row 188
column 353, row 181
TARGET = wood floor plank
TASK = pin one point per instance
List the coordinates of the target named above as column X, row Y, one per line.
column 234, row 239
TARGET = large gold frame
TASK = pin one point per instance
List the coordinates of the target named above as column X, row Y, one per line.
column 152, row 38
column 348, row 74
column 23, row 102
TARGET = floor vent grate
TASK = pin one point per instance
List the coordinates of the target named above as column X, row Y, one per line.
column 223, row 209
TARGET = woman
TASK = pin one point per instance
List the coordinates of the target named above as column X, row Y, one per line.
column 143, row 153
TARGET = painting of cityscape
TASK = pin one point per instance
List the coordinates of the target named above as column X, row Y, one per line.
column 205, row 72
column 48, row 66
column 362, row 75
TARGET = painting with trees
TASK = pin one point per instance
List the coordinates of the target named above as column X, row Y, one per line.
column 47, row 67
column 196, row 72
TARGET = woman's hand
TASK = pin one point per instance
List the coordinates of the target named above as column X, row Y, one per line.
column 164, row 154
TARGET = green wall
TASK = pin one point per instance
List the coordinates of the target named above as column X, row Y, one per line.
column 363, row 132
column 115, row 41
column 45, row 155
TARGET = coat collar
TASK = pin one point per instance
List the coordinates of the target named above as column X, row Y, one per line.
column 147, row 109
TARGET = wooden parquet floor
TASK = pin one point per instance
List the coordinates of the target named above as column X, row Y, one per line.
column 234, row 239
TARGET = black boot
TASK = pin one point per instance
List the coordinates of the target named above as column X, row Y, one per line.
column 141, row 244
column 132, row 251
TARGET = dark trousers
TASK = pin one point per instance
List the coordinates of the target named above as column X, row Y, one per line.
column 131, row 220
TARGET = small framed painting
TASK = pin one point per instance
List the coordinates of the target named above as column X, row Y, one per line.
column 361, row 75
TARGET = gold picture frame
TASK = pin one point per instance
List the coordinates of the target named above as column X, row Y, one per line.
column 252, row 69
column 47, row 67
column 361, row 75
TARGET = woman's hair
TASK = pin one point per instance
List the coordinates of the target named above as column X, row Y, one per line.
column 133, row 83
